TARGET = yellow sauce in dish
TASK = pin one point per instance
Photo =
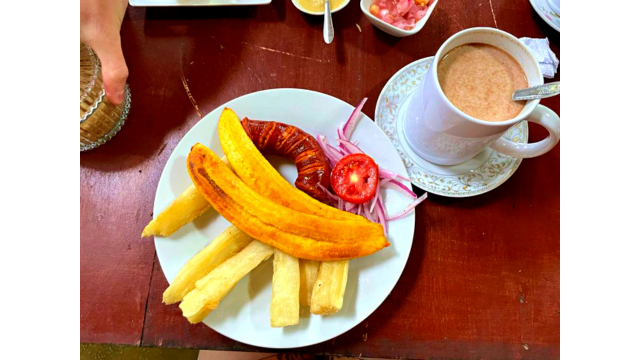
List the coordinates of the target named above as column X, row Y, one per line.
column 318, row 5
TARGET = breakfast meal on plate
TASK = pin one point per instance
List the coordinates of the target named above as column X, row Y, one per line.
column 334, row 213
column 402, row 14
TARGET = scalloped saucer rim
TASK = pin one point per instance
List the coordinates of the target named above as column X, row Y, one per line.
column 546, row 13
column 485, row 172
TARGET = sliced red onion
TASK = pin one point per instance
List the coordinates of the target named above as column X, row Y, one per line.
column 395, row 184
column 341, row 132
column 381, row 204
column 349, row 147
column 388, row 174
column 332, row 154
column 382, row 215
column 375, row 197
column 331, row 196
column 337, row 151
column 369, row 215
column 374, row 210
column 343, row 150
column 350, row 125
column 408, row 209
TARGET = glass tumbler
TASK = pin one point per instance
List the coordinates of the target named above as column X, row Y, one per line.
column 99, row 118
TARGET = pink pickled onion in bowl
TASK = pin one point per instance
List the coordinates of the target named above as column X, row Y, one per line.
column 402, row 14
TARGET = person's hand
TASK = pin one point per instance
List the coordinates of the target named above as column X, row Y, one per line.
column 100, row 22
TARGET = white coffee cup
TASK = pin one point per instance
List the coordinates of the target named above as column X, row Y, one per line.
column 440, row 133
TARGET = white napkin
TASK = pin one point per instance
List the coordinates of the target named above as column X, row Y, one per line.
column 543, row 54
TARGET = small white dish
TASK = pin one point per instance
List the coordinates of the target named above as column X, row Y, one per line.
column 483, row 173
column 296, row 4
column 549, row 16
column 390, row 29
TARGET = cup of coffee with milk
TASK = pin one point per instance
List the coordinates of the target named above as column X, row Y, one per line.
column 464, row 103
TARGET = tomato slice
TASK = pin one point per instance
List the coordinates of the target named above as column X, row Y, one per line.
column 355, row 178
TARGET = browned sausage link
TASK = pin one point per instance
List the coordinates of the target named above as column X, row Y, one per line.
column 287, row 140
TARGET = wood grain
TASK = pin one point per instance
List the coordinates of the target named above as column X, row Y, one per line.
column 483, row 276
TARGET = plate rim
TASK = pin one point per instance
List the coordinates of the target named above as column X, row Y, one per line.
column 404, row 173
column 541, row 14
column 515, row 167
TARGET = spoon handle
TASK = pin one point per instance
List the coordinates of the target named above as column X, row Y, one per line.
column 538, row 92
column 327, row 30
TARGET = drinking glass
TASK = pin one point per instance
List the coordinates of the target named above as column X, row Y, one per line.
column 100, row 119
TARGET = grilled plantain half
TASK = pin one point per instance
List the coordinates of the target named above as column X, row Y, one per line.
column 297, row 234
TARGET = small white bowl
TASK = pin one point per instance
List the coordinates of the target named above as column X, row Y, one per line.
column 295, row 3
column 390, row 29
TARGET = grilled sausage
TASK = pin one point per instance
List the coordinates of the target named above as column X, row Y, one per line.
column 287, row 140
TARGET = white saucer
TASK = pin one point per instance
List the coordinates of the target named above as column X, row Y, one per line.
column 483, row 173
column 544, row 10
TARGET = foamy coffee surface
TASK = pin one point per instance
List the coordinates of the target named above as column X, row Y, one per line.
column 479, row 79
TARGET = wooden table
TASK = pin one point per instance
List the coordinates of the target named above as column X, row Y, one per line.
column 483, row 276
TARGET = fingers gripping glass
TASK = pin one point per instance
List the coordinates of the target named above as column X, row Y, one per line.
column 99, row 118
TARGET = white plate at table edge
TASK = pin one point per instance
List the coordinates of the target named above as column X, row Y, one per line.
column 485, row 172
column 162, row 3
column 244, row 314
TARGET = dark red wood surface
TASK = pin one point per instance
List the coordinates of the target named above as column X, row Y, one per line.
column 483, row 276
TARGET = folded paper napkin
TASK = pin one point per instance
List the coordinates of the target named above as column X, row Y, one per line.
column 543, row 54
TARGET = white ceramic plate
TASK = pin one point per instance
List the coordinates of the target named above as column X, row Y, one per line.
column 244, row 314
column 485, row 172
column 197, row 2
column 544, row 10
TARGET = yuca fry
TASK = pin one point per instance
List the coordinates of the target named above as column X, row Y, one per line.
column 328, row 291
column 224, row 246
column 308, row 276
column 285, row 290
column 182, row 210
column 185, row 208
column 212, row 288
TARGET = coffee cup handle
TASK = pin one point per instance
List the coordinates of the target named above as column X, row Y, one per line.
column 543, row 116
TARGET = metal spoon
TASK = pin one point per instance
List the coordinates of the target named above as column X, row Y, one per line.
column 327, row 30
column 537, row 92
